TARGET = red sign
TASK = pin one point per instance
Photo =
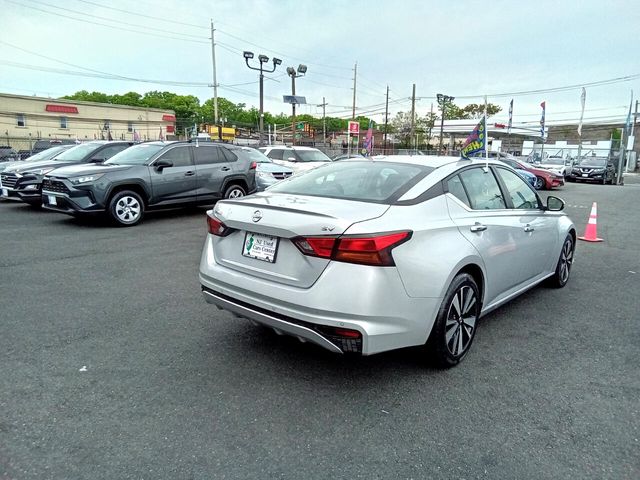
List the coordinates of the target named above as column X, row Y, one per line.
column 354, row 128
column 499, row 125
column 61, row 108
column 168, row 118
column 170, row 129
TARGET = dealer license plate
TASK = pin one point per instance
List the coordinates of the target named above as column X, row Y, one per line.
column 52, row 200
column 5, row 192
column 261, row 247
column 585, row 175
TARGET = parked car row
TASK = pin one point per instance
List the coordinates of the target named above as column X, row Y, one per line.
column 123, row 180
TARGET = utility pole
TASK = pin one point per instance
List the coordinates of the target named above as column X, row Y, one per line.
column 386, row 122
column 324, row 122
column 413, row 114
column 431, row 122
column 633, row 124
column 215, row 83
column 355, row 74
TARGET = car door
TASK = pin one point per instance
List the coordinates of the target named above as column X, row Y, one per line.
column 479, row 210
column 538, row 236
column 175, row 183
column 212, row 167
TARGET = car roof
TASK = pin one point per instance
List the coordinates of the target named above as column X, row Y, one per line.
column 289, row 147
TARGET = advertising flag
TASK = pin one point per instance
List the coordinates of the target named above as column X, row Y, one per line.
column 477, row 141
column 368, row 141
column 544, row 107
column 583, row 97
column 510, row 117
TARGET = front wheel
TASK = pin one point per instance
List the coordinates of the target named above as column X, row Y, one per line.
column 563, row 267
column 455, row 325
column 126, row 208
column 234, row 191
column 539, row 183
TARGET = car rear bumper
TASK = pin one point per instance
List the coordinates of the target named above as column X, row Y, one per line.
column 370, row 300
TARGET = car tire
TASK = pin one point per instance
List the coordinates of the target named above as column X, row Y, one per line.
column 540, row 183
column 126, row 208
column 565, row 262
column 234, row 191
column 456, row 323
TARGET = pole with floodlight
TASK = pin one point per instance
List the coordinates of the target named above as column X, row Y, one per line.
column 262, row 60
column 442, row 100
column 293, row 73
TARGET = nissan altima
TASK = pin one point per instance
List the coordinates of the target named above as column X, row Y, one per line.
column 371, row 255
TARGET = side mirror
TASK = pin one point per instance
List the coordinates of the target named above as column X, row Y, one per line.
column 554, row 204
column 161, row 164
column 97, row 160
column 292, row 159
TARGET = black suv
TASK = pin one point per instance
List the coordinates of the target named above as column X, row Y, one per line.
column 149, row 176
column 24, row 181
column 593, row 169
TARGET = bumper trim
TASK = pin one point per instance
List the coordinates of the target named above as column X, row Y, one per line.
column 278, row 324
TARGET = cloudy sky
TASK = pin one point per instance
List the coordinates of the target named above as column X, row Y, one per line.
column 465, row 49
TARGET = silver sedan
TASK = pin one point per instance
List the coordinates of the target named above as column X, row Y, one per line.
column 372, row 255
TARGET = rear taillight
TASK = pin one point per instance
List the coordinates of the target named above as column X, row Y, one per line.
column 253, row 166
column 216, row 227
column 364, row 250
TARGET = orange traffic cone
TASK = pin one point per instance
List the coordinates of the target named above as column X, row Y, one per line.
column 591, row 231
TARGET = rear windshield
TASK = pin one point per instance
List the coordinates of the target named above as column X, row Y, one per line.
column 364, row 181
column 312, row 156
column 78, row 153
column 136, row 155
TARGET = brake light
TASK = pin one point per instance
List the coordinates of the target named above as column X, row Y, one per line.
column 363, row 250
column 216, row 227
column 253, row 166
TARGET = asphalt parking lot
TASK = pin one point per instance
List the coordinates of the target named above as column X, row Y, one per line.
column 113, row 366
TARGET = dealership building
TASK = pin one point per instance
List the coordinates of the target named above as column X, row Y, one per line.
column 24, row 119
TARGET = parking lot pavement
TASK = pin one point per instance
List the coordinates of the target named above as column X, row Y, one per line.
column 112, row 366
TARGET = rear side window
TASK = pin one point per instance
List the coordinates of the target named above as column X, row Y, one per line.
column 454, row 185
column 377, row 182
column 229, row 156
column 208, row 154
column 179, row 156
column 483, row 190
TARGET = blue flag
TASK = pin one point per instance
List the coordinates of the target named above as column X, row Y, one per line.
column 477, row 141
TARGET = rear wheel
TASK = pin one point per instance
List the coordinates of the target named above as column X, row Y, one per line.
column 126, row 208
column 455, row 326
column 234, row 191
column 565, row 262
column 539, row 183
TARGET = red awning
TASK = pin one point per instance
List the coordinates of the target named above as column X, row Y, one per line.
column 168, row 118
column 61, row 108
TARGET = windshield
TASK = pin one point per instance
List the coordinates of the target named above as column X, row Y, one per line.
column 366, row 181
column 256, row 156
column 136, row 155
column 46, row 154
column 78, row 153
column 594, row 162
column 312, row 156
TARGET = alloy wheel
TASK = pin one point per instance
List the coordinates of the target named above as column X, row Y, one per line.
column 566, row 260
column 127, row 209
column 539, row 185
column 236, row 193
column 461, row 321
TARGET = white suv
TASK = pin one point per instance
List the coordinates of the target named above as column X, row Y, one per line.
column 299, row 159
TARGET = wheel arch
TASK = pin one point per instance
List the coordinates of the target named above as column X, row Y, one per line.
column 134, row 187
column 476, row 272
column 240, row 181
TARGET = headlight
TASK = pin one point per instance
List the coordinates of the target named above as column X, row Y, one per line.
column 599, row 170
column 40, row 171
column 86, row 179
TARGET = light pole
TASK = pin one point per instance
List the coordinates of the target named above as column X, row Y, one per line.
column 302, row 69
column 262, row 59
column 442, row 100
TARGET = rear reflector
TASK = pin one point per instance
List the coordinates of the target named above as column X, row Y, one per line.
column 365, row 250
column 253, row 166
column 216, row 227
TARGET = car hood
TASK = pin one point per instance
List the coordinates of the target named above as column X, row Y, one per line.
column 19, row 167
column 5, row 165
column 86, row 169
column 273, row 167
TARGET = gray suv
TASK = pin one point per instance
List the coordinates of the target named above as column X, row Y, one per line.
column 150, row 176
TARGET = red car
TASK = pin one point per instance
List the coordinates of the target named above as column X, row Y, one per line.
column 545, row 180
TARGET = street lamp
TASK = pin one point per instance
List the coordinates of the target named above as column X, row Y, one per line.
column 302, row 69
column 442, row 100
column 262, row 60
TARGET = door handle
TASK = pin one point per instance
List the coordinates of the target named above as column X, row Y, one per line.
column 189, row 174
column 478, row 227
column 528, row 228
column 225, row 169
